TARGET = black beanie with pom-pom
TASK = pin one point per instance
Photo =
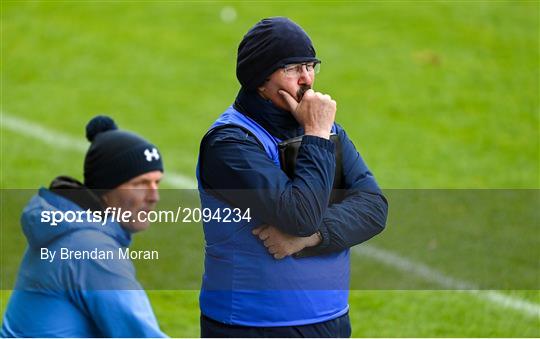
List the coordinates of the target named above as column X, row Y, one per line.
column 116, row 156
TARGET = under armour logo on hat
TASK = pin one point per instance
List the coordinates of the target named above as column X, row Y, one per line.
column 151, row 155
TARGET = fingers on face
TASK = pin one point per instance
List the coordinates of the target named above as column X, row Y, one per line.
column 289, row 100
column 324, row 97
column 309, row 94
column 320, row 96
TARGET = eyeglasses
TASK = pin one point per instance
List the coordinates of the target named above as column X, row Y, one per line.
column 296, row 70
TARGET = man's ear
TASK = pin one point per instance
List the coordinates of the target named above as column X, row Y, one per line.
column 261, row 90
column 105, row 198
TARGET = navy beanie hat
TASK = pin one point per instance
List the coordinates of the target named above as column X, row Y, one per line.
column 116, row 156
column 270, row 44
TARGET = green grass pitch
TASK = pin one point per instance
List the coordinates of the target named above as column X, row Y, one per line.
column 435, row 95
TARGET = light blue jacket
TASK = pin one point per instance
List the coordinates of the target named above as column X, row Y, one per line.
column 75, row 298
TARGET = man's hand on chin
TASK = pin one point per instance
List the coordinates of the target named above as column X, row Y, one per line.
column 280, row 244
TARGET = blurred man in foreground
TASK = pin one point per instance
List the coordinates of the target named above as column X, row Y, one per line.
column 75, row 279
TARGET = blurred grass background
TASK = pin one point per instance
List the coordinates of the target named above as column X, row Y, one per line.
column 434, row 95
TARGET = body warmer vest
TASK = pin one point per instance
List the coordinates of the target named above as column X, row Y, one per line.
column 244, row 285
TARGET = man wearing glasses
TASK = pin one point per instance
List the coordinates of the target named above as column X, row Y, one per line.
column 283, row 269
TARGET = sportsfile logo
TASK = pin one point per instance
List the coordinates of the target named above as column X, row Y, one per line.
column 121, row 215
column 151, row 154
column 110, row 214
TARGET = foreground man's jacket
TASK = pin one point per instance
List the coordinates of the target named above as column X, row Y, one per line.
column 75, row 298
column 239, row 167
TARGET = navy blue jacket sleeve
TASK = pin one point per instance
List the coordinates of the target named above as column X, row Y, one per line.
column 234, row 167
column 360, row 215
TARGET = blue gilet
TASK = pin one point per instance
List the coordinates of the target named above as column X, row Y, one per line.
column 244, row 285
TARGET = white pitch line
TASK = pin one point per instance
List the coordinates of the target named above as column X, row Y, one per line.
column 398, row 262
column 180, row 181
column 70, row 143
column 403, row 264
column 43, row 134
